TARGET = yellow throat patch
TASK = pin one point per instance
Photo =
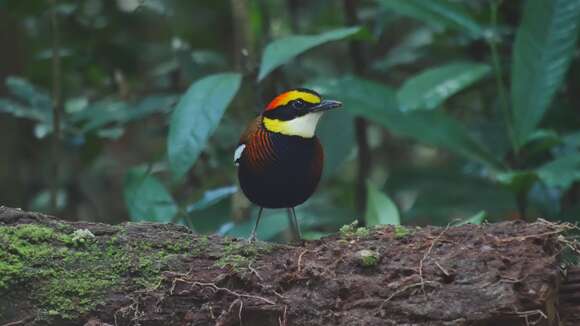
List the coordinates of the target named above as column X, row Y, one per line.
column 303, row 126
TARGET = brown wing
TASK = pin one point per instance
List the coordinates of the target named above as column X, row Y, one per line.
column 250, row 130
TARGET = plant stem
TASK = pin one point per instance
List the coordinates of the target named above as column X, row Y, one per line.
column 56, row 106
column 243, row 37
column 521, row 196
column 360, row 124
column 501, row 88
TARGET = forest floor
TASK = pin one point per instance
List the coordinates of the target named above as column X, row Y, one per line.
column 74, row 273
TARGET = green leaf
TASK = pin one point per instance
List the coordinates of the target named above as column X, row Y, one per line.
column 211, row 197
column 540, row 141
column 476, row 219
column 430, row 88
column 208, row 216
column 378, row 103
column 28, row 93
column 562, row 171
column 544, row 46
column 439, row 13
column 380, row 208
column 407, row 51
column 41, row 201
column 146, row 198
column 196, row 117
column 26, row 112
column 336, row 149
column 115, row 112
column 285, row 49
column 517, row 181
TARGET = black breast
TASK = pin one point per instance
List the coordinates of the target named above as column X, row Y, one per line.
column 278, row 171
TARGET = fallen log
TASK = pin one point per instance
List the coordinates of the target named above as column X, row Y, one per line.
column 54, row 272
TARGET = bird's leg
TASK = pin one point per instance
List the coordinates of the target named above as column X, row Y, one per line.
column 295, row 226
column 252, row 237
column 291, row 223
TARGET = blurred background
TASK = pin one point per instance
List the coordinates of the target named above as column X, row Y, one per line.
column 455, row 111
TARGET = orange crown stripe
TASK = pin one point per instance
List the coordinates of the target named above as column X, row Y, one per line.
column 285, row 98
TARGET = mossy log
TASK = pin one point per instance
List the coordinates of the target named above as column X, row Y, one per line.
column 54, row 272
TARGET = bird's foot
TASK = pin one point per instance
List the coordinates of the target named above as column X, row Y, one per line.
column 252, row 238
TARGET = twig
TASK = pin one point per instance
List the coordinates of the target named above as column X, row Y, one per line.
column 255, row 272
column 18, row 322
column 443, row 270
column 300, row 260
column 239, row 295
column 403, row 289
column 427, row 253
column 283, row 321
column 529, row 313
column 529, row 236
column 240, row 311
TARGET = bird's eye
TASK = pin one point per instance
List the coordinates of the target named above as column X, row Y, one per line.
column 299, row 104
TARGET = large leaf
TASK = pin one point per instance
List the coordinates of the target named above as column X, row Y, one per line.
column 440, row 13
column 111, row 111
column 544, row 46
column 196, row 118
column 430, row 88
column 378, row 103
column 285, row 49
column 337, row 148
column 146, row 198
column 562, row 171
column 380, row 208
column 211, row 197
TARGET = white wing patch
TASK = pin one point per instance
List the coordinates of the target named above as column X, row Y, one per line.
column 238, row 153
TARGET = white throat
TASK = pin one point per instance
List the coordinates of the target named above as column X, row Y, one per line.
column 303, row 126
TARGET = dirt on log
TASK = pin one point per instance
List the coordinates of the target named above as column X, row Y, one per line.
column 54, row 272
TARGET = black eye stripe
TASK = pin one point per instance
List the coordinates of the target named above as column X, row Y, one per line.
column 294, row 108
column 286, row 112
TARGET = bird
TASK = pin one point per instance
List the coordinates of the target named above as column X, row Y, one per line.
column 279, row 158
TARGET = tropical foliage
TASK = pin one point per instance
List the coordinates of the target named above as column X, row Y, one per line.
column 472, row 108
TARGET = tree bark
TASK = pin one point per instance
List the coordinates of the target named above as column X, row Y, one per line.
column 54, row 272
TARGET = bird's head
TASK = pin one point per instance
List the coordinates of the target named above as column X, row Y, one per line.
column 296, row 112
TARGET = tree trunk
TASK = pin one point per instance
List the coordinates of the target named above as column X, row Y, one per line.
column 54, row 272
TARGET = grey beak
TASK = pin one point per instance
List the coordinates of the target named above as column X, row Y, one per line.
column 326, row 105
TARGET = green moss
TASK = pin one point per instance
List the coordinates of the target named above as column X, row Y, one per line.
column 33, row 233
column 235, row 262
column 8, row 271
column 367, row 258
column 352, row 231
column 239, row 255
column 70, row 273
column 401, row 231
